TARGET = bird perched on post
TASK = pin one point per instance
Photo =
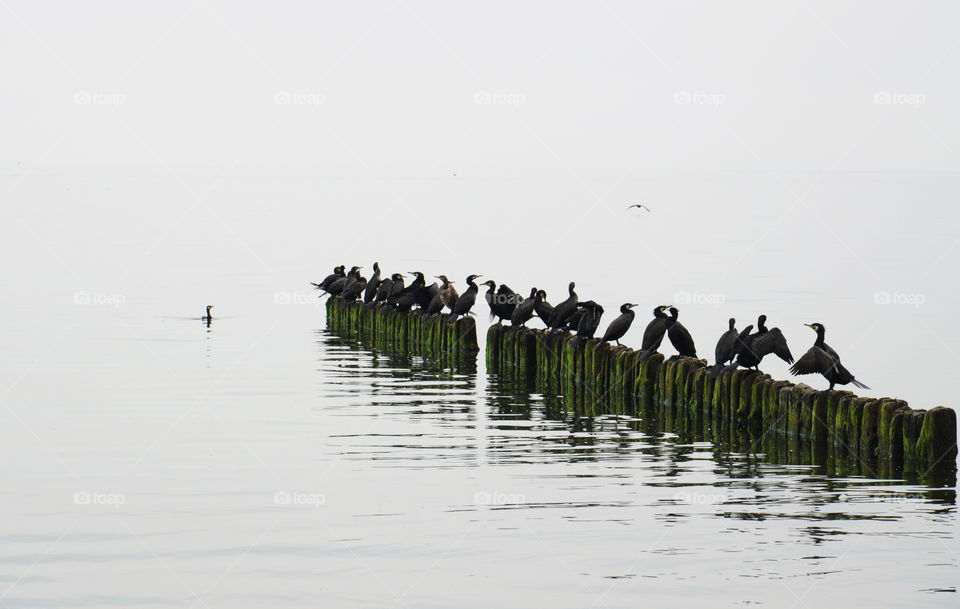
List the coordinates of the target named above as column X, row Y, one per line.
column 373, row 284
column 338, row 272
column 679, row 336
column 822, row 359
column 758, row 345
column 466, row 300
column 588, row 322
column 523, row 312
column 728, row 346
column 619, row 326
column 654, row 333
column 563, row 311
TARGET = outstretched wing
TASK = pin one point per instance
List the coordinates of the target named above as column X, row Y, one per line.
column 772, row 342
column 816, row 360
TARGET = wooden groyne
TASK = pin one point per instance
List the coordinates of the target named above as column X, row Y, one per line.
column 884, row 431
column 386, row 328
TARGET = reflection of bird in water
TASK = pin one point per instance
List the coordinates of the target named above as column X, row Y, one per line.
column 640, row 205
column 679, row 336
column 822, row 359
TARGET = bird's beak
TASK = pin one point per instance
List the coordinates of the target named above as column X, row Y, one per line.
column 634, row 305
column 809, row 326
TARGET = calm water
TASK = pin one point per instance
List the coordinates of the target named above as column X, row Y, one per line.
column 152, row 461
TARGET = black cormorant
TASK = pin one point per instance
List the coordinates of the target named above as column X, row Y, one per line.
column 640, row 205
column 758, row 345
column 354, row 287
column 466, row 300
column 338, row 272
column 822, row 359
column 208, row 316
column 619, row 326
column 373, row 284
column 505, row 301
column 523, row 312
column 654, row 332
column 543, row 308
column 336, row 286
column 679, row 336
column 588, row 322
column 728, row 347
column 383, row 290
column 563, row 311
column 447, row 292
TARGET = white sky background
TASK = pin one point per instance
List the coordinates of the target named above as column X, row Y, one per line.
column 385, row 86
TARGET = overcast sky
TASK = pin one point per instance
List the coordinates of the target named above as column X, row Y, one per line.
column 482, row 86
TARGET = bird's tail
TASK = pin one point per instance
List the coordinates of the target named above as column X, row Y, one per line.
column 859, row 384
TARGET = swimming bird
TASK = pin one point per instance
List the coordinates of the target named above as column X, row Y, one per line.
column 208, row 316
column 543, row 308
column 563, row 311
column 640, row 205
column 619, row 326
column 373, row 284
column 822, row 359
column 338, row 272
column 654, row 332
column 588, row 322
column 523, row 312
column 466, row 300
column 679, row 336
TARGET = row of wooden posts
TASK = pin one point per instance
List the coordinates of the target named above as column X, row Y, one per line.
column 884, row 429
